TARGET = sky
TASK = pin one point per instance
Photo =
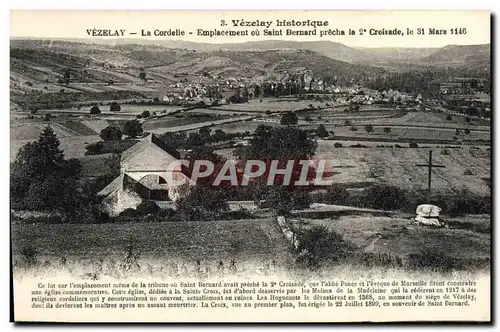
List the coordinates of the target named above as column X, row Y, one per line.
column 473, row 26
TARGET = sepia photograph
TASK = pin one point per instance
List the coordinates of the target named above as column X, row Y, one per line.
column 142, row 153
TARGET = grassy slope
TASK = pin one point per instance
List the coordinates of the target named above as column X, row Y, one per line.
column 242, row 240
column 468, row 237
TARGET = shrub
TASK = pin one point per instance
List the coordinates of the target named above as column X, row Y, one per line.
column 369, row 128
column 384, row 197
column 444, row 152
column 145, row 114
column 29, row 255
column 337, row 145
column 448, row 117
column 413, row 145
column 468, row 172
column 319, row 246
column 336, row 195
column 147, row 207
column 387, row 130
column 354, row 128
column 322, row 132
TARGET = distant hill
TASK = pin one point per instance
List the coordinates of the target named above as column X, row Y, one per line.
column 460, row 54
column 46, row 61
column 403, row 54
column 453, row 55
column 330, row 49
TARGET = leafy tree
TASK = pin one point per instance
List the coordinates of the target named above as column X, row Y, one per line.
column 132, row 128
column 368, row 128
column 95, row 110
column 387, row 130
column 275, row 143
column 448, row 117
column 142, row 75
column 114, row 107
column 219, row 136
column 205, row 133
column 322, row 132
column 145, row 114
column 41, row 179
column 195, row 139
column 67, row 76
column 281, row 145
column 111, row 133
column 201, row 203
column 467, row 131
column 257, row 91
column 289, row 118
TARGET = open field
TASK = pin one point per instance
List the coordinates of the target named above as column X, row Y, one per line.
column 241, row 240
column 182, row 120
column 269, row 104
column 396, row 166
column 468, row 237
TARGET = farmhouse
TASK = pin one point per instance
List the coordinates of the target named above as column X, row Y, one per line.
column 147, row 172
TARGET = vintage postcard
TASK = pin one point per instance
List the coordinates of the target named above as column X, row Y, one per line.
column 250, row 166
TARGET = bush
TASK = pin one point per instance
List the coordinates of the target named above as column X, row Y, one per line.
column 444, row 152
column 145, row 114
column 448, row 117
column 413, row 145
column 336, row 195
column 114, row 107
column 337, row 145
column 95, row 110
column 147, row 207
column 117, row 146
column 354, row 128
column 385, row 197
column 319, row 246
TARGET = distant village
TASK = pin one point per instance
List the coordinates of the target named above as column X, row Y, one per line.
column 214, row 90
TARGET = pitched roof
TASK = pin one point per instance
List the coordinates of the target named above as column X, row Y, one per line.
column 147, row 141
column 116, row 184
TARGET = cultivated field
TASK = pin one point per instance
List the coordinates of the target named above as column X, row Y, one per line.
column 396, row 166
